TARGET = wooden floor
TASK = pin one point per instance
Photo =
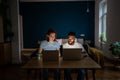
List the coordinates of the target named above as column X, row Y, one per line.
column 14, row 72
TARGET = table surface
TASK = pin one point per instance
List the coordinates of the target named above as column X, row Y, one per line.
column 85, row 62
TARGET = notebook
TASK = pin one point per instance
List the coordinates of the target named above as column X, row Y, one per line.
column 72, row 54
column 50, row 55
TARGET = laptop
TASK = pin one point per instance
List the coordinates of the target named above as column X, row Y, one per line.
column 72, row 54
column 50, row 55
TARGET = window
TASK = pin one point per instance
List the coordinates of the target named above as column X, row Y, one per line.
column 102, row 20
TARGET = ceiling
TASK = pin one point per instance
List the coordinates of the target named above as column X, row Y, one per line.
column 51, row 0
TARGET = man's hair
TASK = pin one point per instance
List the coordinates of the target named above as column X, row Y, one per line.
column 71, row 34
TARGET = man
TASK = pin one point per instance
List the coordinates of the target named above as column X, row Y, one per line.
column 73, row 44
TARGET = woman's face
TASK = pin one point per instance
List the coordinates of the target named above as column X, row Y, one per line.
column 51, row 37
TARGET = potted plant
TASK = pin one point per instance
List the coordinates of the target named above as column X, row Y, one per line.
column 115, row 48
column 103, row 38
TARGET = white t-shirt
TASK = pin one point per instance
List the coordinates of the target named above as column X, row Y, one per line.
column 76, row 45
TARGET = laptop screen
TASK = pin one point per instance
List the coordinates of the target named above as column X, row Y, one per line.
column 72, row 54
column 50, row 55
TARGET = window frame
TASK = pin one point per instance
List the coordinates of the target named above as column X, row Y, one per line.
column 102, row 21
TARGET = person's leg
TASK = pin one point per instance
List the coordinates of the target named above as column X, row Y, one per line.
column 45, row 74
column 81, row 74
column 56, row 74
column 67, row 74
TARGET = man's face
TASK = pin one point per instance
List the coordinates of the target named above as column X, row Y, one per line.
column 71, row 40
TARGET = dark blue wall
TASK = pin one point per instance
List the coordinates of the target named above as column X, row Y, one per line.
column 61, row 16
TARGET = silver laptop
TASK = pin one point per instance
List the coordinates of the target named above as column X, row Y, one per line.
column 50, row 55
column 72, row 54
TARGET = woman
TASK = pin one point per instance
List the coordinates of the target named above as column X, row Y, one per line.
column 50, row 44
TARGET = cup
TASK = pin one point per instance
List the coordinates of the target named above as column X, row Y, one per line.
column 38, row 56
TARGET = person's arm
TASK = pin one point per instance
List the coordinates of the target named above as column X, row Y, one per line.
column 59, row 52
column 41, row 47
column 83, row 50
column 81, row 46
column 40, row 50
column 65, row 45
column 58, row 48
